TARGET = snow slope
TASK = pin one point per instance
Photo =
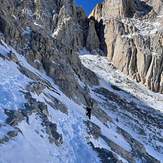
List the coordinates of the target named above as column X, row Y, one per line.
column 106, row 138
column 146, row 101
column 32, row 144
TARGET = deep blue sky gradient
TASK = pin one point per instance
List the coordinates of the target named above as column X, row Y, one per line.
column 88, row 5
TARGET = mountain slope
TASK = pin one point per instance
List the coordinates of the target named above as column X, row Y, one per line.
column 52, row 126
column 45, row 88
column 47, row 119
column 126, row 102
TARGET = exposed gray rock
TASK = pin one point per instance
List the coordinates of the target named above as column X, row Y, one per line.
column 54, row 136
column 43, row 51
column 56, row 104
column 93, row 130
column 133, row 40
column 92, row 39
column 14, row 117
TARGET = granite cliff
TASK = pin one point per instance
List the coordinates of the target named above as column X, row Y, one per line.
column 133, row 38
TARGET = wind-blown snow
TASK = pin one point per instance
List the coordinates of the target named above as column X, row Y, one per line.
column 12, row 82
column 3, row 50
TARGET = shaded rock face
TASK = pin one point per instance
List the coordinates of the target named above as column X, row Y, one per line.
column 62, row 20
column 2, row 25
column 92, row 39
column 28, row 26
column 133, row 38
column 58, row 17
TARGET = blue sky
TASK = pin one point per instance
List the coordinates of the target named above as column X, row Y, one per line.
column 88, row 5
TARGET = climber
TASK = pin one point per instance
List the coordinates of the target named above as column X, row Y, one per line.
column 88, row 113
column 10, row 54
column 89, row 109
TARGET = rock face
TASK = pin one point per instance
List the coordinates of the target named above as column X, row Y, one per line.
column 133, row 37
column 92, row 42
column 30, row 30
